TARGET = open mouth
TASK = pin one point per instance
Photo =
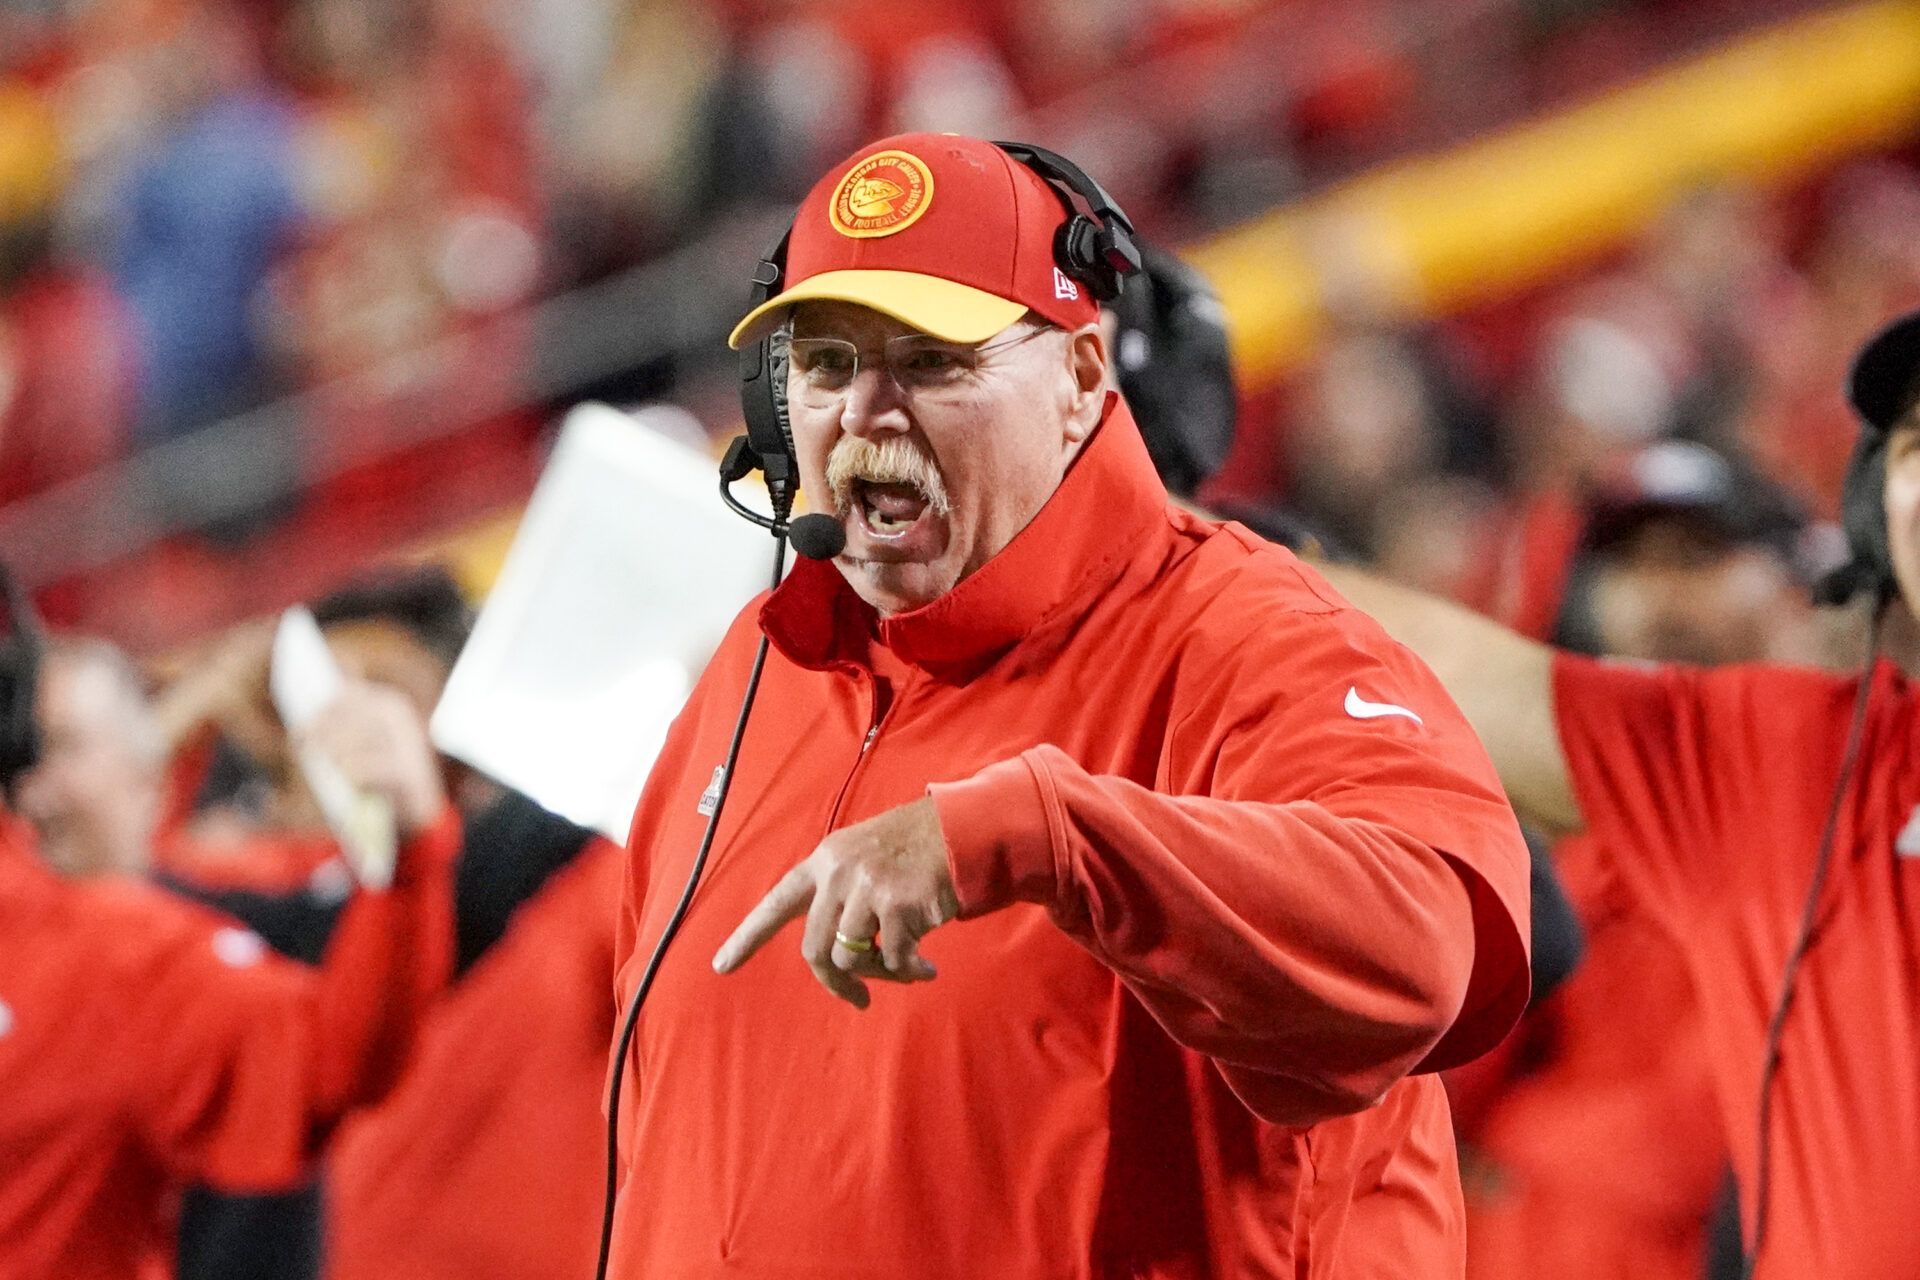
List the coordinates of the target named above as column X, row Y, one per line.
column 890, row 510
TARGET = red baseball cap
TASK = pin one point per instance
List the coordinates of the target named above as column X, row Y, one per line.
column 950, row 235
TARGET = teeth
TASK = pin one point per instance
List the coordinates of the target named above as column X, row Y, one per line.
column 882, row 523
column 879, row 523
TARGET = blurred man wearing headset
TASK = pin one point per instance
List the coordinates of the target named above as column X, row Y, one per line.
column 1767, row 819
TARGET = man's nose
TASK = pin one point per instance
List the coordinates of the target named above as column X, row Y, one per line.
column 874, row 404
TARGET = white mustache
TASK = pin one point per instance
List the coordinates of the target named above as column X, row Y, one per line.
column 894, row 460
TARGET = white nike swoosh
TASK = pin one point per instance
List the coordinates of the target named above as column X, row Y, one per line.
column 1360, row 709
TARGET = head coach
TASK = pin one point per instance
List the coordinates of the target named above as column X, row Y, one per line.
column 1138, row 883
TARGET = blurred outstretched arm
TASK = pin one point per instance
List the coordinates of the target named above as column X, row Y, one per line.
column 1502, row 681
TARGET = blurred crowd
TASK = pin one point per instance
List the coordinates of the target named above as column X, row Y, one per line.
column 210, row 206
column 1459, row 454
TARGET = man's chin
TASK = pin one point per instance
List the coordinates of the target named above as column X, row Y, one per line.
column 895, row 587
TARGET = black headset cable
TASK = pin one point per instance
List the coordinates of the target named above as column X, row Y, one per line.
column 1803, row 942
column 647, row 975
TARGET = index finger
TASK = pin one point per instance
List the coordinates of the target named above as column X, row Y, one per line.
column 785, row 901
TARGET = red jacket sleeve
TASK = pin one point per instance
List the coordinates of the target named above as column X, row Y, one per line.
column 1319, row 901
column 244, row 1061
column 1673, row 767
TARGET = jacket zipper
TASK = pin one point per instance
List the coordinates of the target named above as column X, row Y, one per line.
column 866, row 744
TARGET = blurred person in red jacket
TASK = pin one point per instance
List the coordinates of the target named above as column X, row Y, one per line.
column 1608, row 379
column 147, row 1042
column 1213, row 875
column 1598, row 1152
column 1762, row 817
column 483, row 1159
column 67, row 349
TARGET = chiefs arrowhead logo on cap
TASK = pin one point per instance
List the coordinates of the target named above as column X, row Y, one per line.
column 883, row 194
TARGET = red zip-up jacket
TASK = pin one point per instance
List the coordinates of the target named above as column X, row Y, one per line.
column 489, row 1159
column 1231, row 867
column 146, row 1042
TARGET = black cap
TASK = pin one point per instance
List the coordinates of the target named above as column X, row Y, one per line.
column 1886, row 378
column 422, row 600
column 1723, row 499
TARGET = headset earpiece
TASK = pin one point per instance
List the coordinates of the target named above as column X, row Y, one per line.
column 763, row 400
column 1097, row 247
column 20, row 654
column 1088, row 252
column 769, row 436
column 1863, row 516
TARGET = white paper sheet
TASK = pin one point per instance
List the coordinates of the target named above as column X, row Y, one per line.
column 623, row 576
column 304, row 680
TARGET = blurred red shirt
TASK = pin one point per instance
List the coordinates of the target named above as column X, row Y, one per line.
column 67, row 380
column 1706, row 793
column 1605, row 1148
column 146, row 1042
column 489, row 1158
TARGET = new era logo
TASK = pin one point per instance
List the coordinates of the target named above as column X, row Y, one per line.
column 1063, row 288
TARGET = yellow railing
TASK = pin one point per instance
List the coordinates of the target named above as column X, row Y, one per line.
column 1504, row 211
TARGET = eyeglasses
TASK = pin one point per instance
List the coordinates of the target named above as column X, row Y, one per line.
column 821, row 369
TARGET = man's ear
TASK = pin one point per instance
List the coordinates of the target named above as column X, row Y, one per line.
column 1087, row 366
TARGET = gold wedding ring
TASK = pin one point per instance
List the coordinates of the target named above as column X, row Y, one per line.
column 859, row 946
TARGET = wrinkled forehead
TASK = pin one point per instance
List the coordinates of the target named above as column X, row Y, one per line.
column 1676, row 539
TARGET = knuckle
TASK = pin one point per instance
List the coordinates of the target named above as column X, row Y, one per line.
column 899, row 922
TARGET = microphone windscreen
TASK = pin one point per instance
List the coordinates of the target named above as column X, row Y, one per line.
column 817, row 537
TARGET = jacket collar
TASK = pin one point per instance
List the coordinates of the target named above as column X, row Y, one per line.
column 1081, row 541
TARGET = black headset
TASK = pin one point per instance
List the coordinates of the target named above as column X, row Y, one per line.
column 1095, row 247
column 1882, row 388
column 1863, row 516
column 21, row 650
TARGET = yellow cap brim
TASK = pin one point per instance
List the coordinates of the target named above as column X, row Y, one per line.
column 955, row 312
